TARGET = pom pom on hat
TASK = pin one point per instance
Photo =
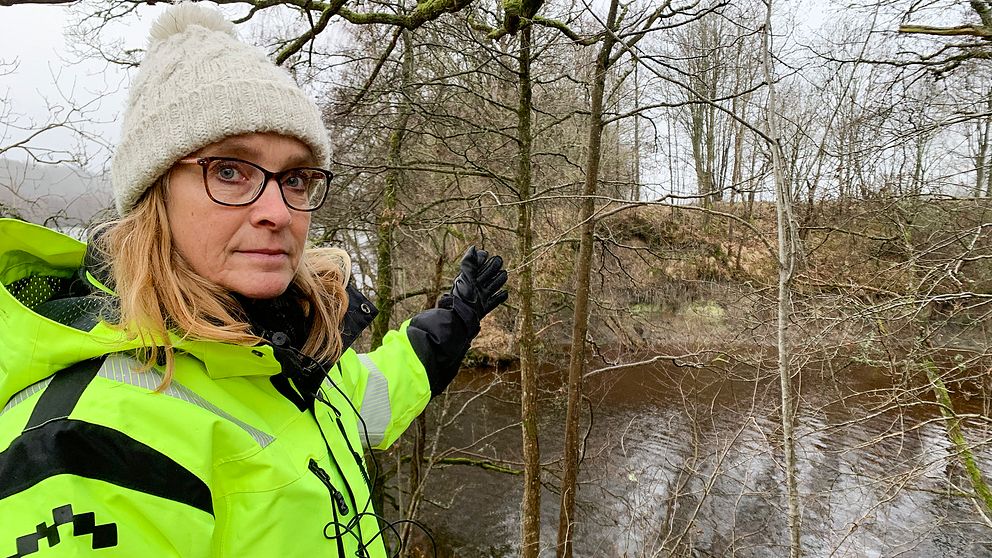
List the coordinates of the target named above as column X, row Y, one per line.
column 198, row 84
column 181, row 16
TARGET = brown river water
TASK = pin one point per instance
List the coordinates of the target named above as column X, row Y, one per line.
column 685, row 462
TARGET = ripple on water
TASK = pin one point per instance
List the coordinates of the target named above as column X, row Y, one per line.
column 701, row 474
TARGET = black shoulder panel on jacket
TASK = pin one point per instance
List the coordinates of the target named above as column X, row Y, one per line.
column 72, row 447
column 52, row 444
column 60, row 397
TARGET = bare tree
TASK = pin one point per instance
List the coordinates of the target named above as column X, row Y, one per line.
column 788, row 249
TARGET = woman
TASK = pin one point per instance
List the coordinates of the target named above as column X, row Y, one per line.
column 184, row 386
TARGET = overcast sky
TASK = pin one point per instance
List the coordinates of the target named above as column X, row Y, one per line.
column 34, row 37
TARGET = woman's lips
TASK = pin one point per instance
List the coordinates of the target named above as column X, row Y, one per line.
column 263, row 255
column 266, row 251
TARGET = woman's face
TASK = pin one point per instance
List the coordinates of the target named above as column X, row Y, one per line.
column 253, row 250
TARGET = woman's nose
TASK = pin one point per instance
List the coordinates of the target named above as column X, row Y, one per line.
column 270, row 209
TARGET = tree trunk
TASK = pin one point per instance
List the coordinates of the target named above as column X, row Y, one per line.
column 715, row 192
column 387, row 222
column 576, row 360
column 986, row 170
column 635, row 191
column 530, row 508
column 736, row 177
column 786, row 263
column 417, row 474
column 918, row 166
column 389, row 218
column 703, row 185
column 952, row 426
column 983, row 170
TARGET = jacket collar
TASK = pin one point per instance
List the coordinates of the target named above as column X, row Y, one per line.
column 283, row 316
column 282, row 322
column 358, row 318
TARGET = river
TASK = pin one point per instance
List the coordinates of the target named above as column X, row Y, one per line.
column 684, row 462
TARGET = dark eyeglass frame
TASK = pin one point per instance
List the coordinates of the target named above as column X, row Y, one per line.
column 268, row 175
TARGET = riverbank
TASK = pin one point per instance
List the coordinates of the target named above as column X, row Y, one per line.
column 882, row 276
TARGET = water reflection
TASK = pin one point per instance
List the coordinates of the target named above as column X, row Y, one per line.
column 688, row 465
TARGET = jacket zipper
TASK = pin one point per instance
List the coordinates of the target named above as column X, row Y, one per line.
column 336, row 495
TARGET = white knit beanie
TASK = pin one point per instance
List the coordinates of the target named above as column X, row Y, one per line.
column 197, row 85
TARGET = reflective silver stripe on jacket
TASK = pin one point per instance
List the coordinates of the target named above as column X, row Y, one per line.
column 376, row 412
column 127, row 370
column 22, row 395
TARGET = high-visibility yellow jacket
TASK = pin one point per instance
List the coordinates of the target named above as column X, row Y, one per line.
column 94, row 462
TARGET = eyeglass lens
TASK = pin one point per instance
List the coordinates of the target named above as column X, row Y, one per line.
column 238, row 183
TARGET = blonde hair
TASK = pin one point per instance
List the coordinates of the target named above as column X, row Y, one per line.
column 160, row 293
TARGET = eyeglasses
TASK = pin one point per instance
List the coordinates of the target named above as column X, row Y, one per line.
column 234, row 182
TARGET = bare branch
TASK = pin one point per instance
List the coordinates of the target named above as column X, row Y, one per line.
column 956, row 31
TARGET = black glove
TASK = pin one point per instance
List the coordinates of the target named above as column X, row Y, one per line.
column 476, row 291
column 441, row 336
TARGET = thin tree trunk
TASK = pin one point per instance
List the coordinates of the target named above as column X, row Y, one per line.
column 703, row 187
column 388, row 218
column 635, row 193
column 918, row 163
column 952, row 427
column 736, row 176
column 417, row 474
column 987, row 168
column 530, row 521
column 786, row 263
column 715, row 193
column 576, row 360
column 983, row 170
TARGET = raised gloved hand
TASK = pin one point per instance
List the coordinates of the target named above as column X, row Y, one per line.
column 476, row 291
column 441, row 336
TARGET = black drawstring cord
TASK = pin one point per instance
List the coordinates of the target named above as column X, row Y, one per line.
column 337, row 529
column 355, row 523
column 347, row 486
